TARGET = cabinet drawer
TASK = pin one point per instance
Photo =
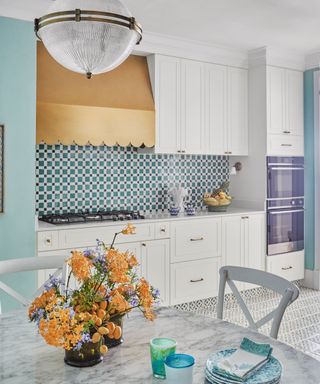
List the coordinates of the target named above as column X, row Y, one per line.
column 86, row 237
column 162, row 230
column 289, row 265
column 288, row 145
column 196, row 239
column 47, row 241
column 194, row 280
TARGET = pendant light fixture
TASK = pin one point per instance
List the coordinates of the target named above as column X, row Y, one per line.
column 88, row 36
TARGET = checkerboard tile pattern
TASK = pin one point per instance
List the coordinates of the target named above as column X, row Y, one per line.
column 75, row 178
column 300, row 326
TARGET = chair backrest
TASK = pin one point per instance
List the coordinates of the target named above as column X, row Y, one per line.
column 31, row 264
column 288, row 290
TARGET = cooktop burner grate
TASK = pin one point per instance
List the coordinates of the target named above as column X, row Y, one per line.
column 87, row 217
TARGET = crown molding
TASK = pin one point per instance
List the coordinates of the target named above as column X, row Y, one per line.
column 276, row 57
column 191, row 49
column 312, row 61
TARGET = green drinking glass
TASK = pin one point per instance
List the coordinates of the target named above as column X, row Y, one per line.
column 160, row 349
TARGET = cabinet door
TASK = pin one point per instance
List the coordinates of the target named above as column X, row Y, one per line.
column 294, row 104
column 237, row 111
column 155, row 266
column 233, row 244
column 192, row 107
column 216, row 108
column 167, row 98
column 232, row 240
column 255, row 247
column 276, row 95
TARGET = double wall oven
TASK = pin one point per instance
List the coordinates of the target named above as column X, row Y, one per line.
column 285, row 204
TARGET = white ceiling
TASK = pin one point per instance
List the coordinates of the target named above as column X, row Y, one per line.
column 245, row 24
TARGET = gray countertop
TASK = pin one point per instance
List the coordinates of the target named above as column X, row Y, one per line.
column 150, row 218
column 25, row 358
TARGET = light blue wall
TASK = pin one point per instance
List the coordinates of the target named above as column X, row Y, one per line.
column 18, row 113
column 309, row 169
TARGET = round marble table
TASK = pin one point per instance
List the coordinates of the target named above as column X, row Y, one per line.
column 25, row 358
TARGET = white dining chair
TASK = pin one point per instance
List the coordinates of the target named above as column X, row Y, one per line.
column 288, row 290
column 31, row 264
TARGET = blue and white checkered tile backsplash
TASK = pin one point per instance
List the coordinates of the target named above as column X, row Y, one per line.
column 78, row 178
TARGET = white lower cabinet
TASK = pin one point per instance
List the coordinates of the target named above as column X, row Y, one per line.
column 194, row 280
column 155, row 261
column 181, row 258
column 288, row 265
column 243, row 242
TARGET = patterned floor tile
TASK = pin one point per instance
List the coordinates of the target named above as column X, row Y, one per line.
column 300, row 326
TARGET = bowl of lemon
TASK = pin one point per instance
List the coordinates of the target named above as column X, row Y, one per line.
column 217, row 201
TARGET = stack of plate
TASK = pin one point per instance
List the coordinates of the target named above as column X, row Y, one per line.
column 270, row 373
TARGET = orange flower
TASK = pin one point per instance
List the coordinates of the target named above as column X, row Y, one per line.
column 132, row 261
column 146, row 299
column 118, row 303
column 118, row 266
column 80, row 266
column 129, row 230
column 60, row 329
column 42, row 301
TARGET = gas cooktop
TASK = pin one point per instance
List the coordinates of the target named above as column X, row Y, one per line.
column 89, row 217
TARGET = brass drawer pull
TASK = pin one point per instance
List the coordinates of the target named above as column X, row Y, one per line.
column 198, row 239
column 286, row 268
column 286, row 132
column 245, row 217
column 162, row 230
column 48, row 241
column 197, row 281
column 144, row 244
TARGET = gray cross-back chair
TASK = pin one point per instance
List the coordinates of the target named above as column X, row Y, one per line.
column 31, row 264
column 288, row 290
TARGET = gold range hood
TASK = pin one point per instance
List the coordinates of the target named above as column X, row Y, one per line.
column 114, row 108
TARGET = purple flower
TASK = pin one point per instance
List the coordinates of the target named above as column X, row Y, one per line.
column 85, row 339
column 37, row 315
column 87, row 252
column 53, row 282
column 134, row 301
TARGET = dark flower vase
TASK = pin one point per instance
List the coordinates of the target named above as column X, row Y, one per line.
column 87, row 356
column 110, row 343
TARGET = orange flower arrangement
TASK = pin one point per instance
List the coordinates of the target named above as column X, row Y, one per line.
column 108, row 288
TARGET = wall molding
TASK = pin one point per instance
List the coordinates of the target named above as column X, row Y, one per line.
column 191, row 49
column 276, row 57
column 312, row 61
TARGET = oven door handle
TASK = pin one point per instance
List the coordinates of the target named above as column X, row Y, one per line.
column 288, row 211
column 286, row 168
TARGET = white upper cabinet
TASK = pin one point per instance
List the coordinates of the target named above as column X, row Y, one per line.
column 237, row 112
column 294, row 89
column 284, row 101
column 192, row 107
column 276, row 100
column 216, row 107
column 200, row 107
column 165, row 78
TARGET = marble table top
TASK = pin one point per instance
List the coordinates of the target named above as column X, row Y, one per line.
column 25, row 358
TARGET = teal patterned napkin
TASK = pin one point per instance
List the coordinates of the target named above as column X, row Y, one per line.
column 244, row 361
column 256, row 348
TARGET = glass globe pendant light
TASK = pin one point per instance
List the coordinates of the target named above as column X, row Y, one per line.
column 88, row 36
